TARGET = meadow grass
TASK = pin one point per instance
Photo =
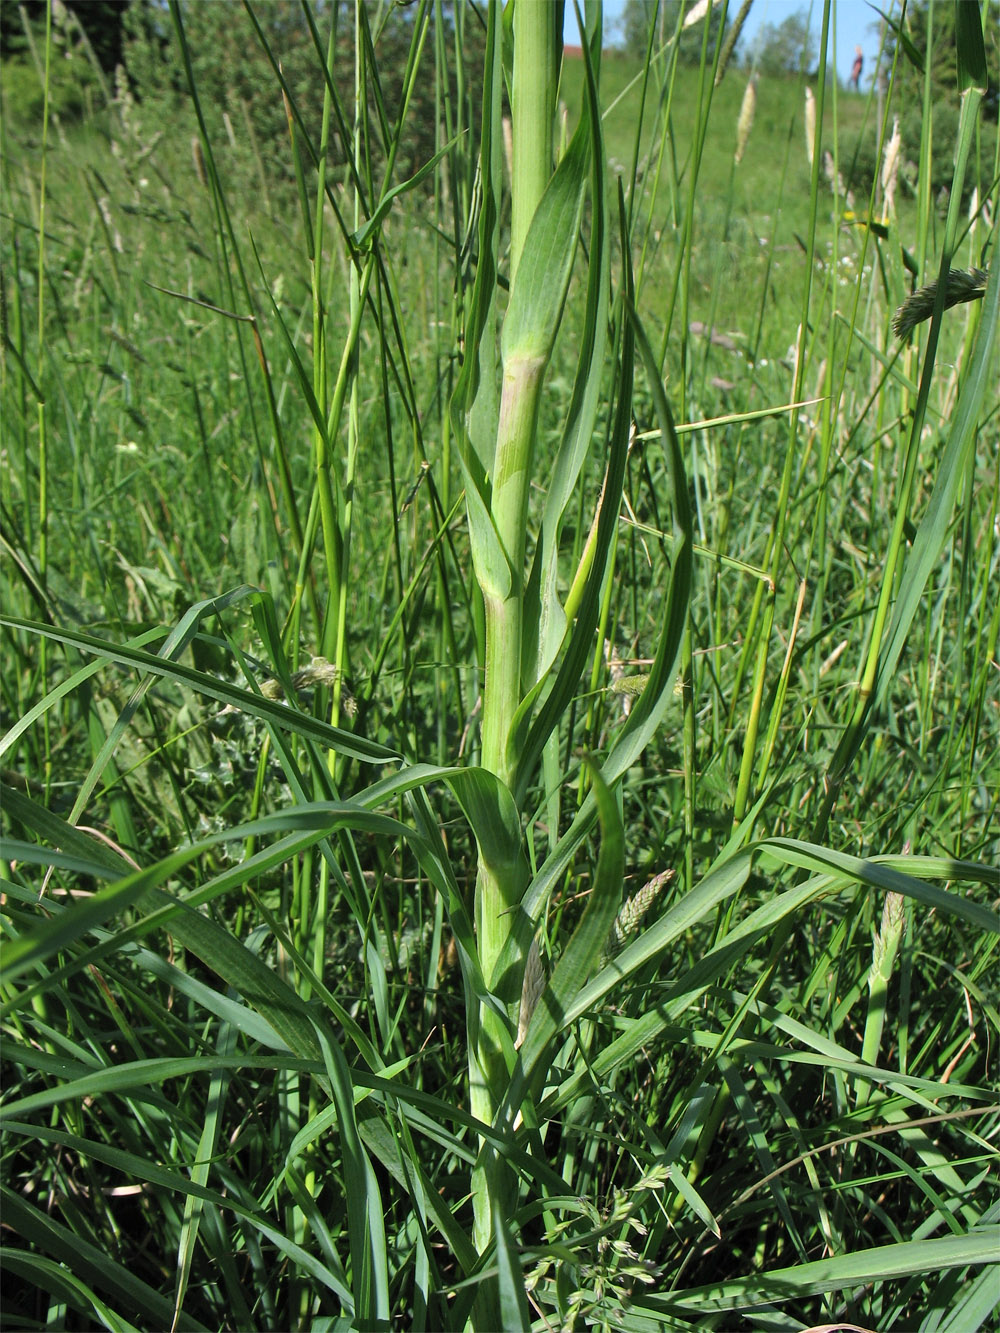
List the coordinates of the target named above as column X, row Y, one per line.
column 500, row 767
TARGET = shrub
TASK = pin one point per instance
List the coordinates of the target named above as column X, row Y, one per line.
column 860, row 160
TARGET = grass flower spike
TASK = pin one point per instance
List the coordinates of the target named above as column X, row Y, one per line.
column 961, row 286
column 744, row 124
column 890, row 172
column 810, row 119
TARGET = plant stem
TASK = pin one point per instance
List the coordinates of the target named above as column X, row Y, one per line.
column 532, row 106
column 499, row 887
column 43, row 436
column 884, row 951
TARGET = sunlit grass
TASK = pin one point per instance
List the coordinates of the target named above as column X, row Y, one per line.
column 270, row 1057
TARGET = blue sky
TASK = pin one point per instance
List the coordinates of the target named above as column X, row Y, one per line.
column 854, row 21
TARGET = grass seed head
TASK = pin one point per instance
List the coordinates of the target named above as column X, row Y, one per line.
column 887, row 939
column 198, row 157
column 890, row 172
column 732, row 37
column 745, row 123
column 123, row 97
column 319, row 672
column 810, row 125
column 836, row 180
column 696, row 13
column 961, row 286
column 831, row 173
column 628, row 920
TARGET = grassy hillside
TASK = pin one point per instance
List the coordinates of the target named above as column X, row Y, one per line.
column 513, row 848
column 740, row 209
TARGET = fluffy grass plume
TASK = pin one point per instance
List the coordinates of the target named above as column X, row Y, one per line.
column 810, row 124
column 890, row 171
column 744, row 122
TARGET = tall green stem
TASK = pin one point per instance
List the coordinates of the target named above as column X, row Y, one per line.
column 522, row 382
column 43, row 435
column 532, row 108
column 499, row 887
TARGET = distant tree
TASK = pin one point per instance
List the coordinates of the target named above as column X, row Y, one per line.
column 639, row 14
column 931, row 33
column 13, row 39
column 236, row 80
column 931, row 41
column 101, row 21
column 87, row 38
column 786, row 48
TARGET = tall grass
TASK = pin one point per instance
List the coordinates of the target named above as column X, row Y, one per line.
column 500, row 757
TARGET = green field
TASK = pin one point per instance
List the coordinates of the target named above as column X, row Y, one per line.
column 501, row 849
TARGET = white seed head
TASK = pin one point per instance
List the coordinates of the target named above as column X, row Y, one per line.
column 810, row 124
column 696, row 13
column 836, row 180
column 890, row 170
column 745, row 123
